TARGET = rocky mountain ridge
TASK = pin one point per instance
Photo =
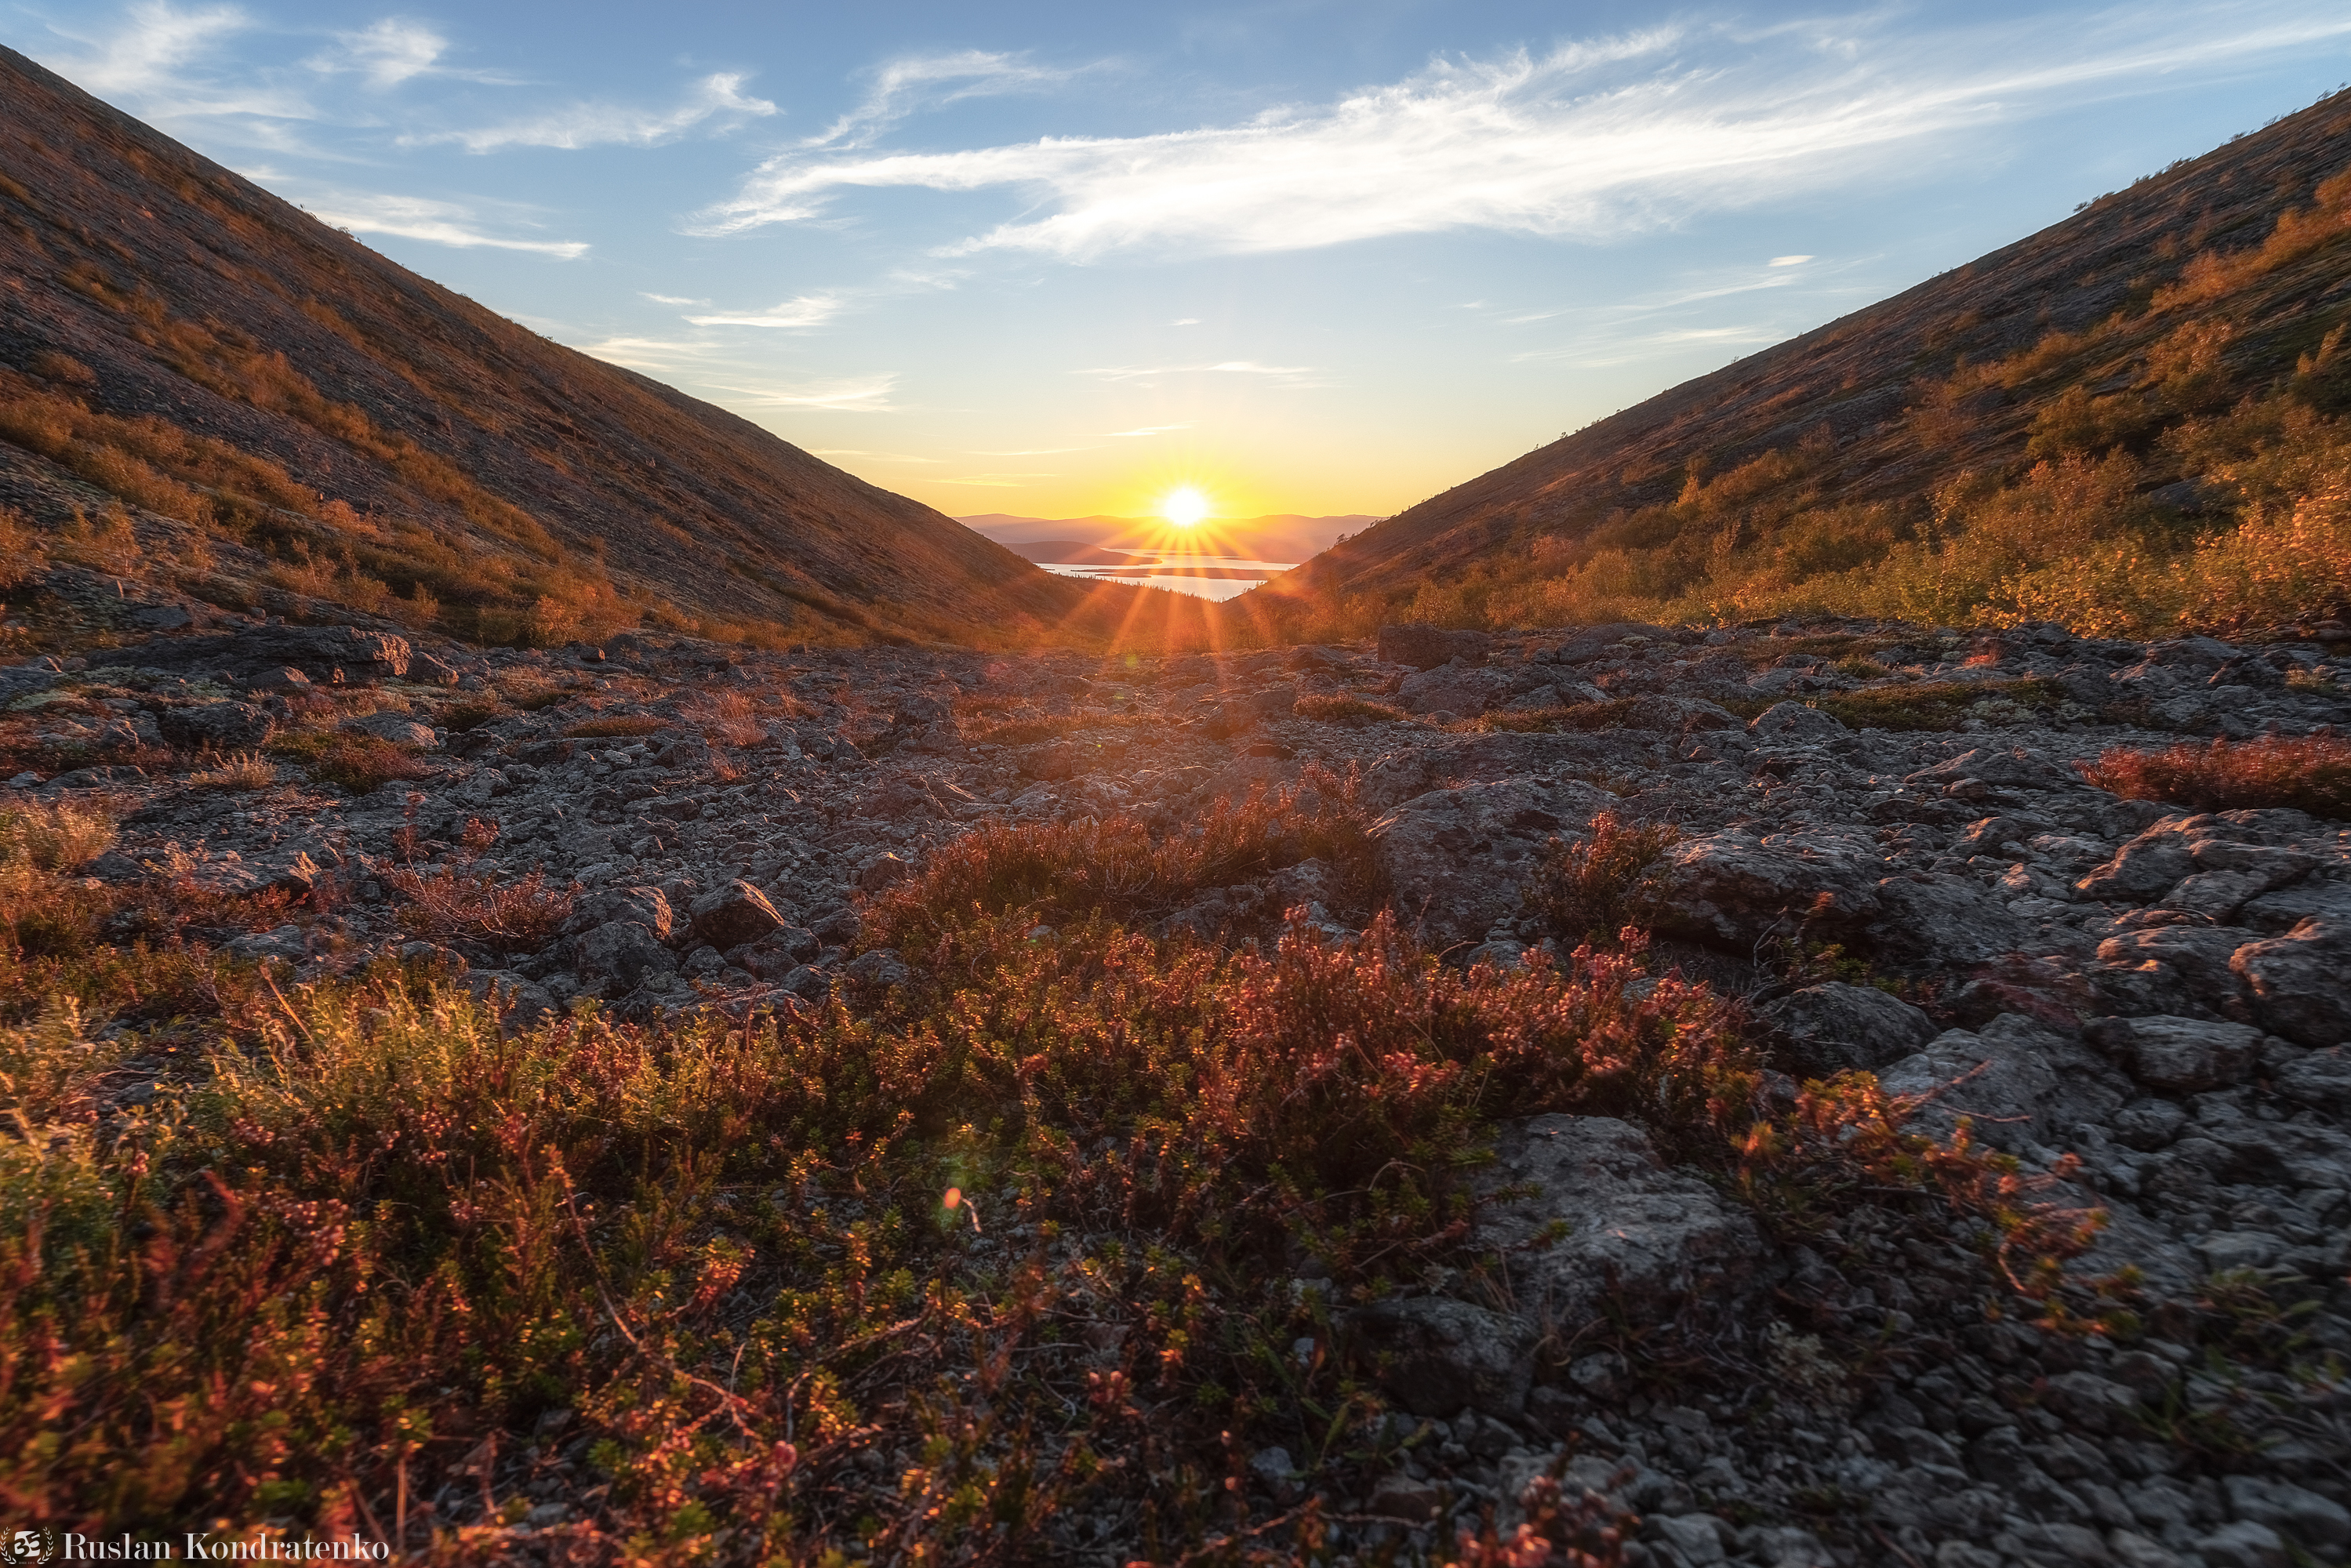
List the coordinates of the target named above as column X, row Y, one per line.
column 278, row 416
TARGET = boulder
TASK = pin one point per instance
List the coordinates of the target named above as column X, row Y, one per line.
column 1946, row 921
column 1426, row 647
column 1434, row 1354
column 2202, row 956
column 1730, row 888
column 2298, row 981
column 2004, row 1077
column 641, row 905
column 2012, row 767
column 1834, row 1026
column 621, row 955
column 1461, row 688
column 732, row 916
column 2179, row 1055
column 1456, row 858
column 1637, row 1235
column 216, row 726
column 2321, row 1078
column 396, row 727
column 1794, row 722
column 2147, row 868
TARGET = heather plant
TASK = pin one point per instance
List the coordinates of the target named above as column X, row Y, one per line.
column 1596, row 887
column 2311, row 773
column 368, row 1256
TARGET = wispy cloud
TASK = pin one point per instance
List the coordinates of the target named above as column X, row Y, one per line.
column 915, row 82
column 1788, row 260
column 160, row 59
column 395, row 50
column 672, row 300
column 717, row 102
column 807, row 310
column 1185, row 321
column 717, row 370
column 419, row 217
column 1594, row 138
column 1144, row 430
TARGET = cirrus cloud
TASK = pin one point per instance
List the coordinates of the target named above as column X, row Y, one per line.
column 1594, row 139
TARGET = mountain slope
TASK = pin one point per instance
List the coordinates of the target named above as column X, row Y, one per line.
column 2113, row 384
column 280, row 410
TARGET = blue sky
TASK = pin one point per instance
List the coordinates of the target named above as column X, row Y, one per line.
column 1309, row 256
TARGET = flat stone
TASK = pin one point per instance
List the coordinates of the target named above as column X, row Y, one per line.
column 1638, row 1234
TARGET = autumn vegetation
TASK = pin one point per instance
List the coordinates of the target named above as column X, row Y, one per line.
column 2181, row 465
column 364, row 1255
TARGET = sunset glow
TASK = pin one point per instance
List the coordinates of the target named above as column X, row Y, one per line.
column 1183, row 506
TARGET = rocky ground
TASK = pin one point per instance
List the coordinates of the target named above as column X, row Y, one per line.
column 1884, row 845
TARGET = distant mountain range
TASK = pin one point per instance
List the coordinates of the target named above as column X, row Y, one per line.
column 1066, row 541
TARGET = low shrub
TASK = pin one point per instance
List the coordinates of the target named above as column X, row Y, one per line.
column 361, row 763
column 1934, row 705
column 1348, row 712
column 616, row 726
column 2309, row 774
column 1573, row 718
column 61, row 837
column 242, row 770
column 1593, row 889
column 1118, row 867
column 454, row 906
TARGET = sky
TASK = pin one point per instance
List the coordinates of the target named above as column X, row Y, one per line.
column 1321, row 256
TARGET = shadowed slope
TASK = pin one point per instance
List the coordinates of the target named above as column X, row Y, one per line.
column 328, row 422
column 2100, row 340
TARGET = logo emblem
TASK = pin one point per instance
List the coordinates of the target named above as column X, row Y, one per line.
column 25, row 1547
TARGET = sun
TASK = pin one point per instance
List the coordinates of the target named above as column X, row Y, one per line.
column 1184, row 505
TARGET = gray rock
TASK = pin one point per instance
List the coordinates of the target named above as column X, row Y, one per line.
column 396, row 727
column 2202, row 956
column 881, row 967
column 2313, row 1522
column 1943, row 921
column 1460, row 688
column 2243, row 1544
column 1731, row 888
column 1426, row 647
column 1638, row 1235
column 2179, row 1055
column 1834, row 1026
column 621, row 955
column 2298, row 981
column 1795, row 722
column 2321, row 1078
column 2144, row 869
column 2008, row 1084
column 733, row 915
column 216, row 726
column 1456, row 858
column 639, row 905
column 1436, row 1355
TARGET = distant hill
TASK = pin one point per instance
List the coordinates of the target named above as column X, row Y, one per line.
column 1075, row 552
column 1278, row 536
column 2126, row 419
column 267, row 410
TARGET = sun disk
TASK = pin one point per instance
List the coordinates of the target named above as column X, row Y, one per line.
column 1183, row 506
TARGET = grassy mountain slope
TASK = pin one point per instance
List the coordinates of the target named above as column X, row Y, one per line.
column 2128, row 419
column 197, row 377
